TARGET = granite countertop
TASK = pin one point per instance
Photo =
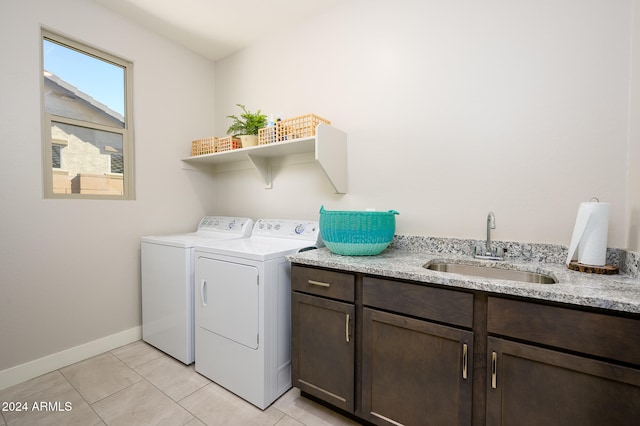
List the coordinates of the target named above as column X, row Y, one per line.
column 613, row 292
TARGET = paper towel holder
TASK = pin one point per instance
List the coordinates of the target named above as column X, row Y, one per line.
column 596, row 268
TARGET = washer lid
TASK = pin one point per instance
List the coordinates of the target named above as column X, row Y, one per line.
column 211, row 228
column 254, row 248
column 187, row 240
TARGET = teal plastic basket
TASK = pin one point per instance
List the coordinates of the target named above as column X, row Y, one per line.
column 357, row 233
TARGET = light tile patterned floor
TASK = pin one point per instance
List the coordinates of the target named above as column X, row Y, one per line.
column 139, row 385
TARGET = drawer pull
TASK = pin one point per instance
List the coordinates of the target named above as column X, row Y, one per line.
column 494, row 369
column 464, row 361
column 346, row 327
column 319, row 283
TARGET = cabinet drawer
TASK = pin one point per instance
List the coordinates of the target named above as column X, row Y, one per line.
column 586, row 332
column 335, row 285
column 448, row 306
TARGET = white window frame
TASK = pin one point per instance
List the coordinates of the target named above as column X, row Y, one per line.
column 126, row 132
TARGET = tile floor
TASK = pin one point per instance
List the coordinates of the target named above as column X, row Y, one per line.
column 139, row 385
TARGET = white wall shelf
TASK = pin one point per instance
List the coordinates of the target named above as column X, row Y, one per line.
column 329, row 146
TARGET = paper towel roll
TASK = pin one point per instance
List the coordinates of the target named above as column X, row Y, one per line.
column 590, row 234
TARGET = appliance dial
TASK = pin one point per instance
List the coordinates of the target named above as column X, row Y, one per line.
column 300, row 228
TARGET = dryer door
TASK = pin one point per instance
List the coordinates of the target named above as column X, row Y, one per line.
column 229, row 300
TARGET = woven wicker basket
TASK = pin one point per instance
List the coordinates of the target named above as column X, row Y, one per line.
column 303, row 126
column 203, row 146
column 227, row 144
column 357, row 233
column 267, row 135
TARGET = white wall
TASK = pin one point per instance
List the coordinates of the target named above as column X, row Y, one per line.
column 452, row 109
column 633, row 238
column 69, row 269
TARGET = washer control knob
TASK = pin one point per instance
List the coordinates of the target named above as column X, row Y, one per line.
column 232, row 224
column 276, row 226
column 299, row 228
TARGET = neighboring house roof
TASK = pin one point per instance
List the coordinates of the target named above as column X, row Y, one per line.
column 78, row 94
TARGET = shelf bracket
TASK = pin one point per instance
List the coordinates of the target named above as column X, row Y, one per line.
column 264, row 168
column 331, row 154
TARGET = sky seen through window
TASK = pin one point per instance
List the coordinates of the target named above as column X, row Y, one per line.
column 99, row 79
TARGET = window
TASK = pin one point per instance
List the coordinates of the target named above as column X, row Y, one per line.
column 87, row 128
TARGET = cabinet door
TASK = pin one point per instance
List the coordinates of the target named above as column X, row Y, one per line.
column 323, row 349
column 529, row 385
column 415, row 372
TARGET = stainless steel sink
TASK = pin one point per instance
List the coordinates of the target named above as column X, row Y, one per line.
column 491, row 272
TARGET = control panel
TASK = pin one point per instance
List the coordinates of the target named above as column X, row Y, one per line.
column 284, row 228
column 224, row 224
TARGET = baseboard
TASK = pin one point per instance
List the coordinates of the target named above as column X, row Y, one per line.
column 29, row 370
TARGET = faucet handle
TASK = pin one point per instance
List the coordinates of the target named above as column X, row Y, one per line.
column 481, row 252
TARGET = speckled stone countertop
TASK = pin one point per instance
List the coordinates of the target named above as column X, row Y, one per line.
column 405, row 257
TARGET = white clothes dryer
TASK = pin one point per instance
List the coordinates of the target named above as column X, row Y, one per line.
column 167, row 269
column 243, row 309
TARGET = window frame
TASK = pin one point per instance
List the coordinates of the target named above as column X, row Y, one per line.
column 126, row 131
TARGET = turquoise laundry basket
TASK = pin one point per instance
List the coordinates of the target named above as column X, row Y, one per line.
column 357, row 233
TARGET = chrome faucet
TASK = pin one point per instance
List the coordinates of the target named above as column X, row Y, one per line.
column 488, row 252
column 491, row 224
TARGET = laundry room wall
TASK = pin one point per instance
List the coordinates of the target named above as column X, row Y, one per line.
column 69, row 269
column 452, row 110
column 633, row 179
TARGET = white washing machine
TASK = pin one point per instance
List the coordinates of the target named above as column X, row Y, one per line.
column 167, row 268
column 243, row 309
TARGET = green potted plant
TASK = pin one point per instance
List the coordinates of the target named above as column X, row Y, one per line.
column 246, row 126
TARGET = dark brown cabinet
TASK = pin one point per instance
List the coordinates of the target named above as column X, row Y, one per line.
column 410, row 361
column 417, row 363
column 530, row 385
column 561, row 382
column 415, row 372
column 395, row 352
column 322, row 335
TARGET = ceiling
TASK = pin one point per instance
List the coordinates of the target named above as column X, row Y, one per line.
column 216, row 28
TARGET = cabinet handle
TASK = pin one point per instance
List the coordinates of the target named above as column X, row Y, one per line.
column 464, row 361
column 346, row 328
column 494, row 369
column 319, row 283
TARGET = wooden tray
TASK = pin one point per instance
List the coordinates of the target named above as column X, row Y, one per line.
column 590, row 269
